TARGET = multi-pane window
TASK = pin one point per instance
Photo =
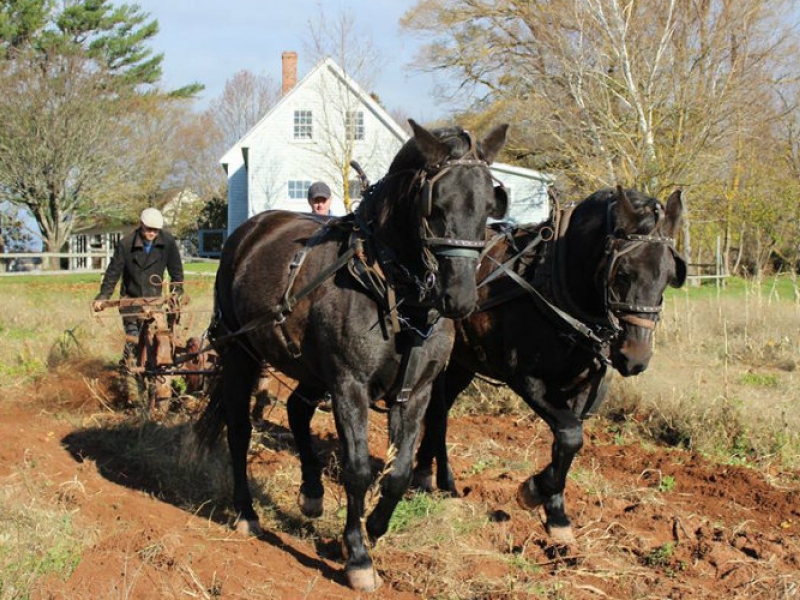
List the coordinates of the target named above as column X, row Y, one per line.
column 302, row 125
column 298, row 189
column 354, row 123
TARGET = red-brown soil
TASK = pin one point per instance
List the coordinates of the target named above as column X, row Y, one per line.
column 651, row 522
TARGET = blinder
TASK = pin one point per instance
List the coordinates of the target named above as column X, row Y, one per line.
column 618, row 244
column 437, row 246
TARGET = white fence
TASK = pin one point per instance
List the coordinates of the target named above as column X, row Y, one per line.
column 15, row 263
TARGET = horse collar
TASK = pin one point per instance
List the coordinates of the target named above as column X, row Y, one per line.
column 380, row 275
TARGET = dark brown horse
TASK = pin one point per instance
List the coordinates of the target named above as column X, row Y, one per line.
column 352, row 306
column 558, row 302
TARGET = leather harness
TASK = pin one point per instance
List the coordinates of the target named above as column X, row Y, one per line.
column 366, row 268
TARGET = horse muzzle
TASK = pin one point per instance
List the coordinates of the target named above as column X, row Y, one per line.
column 632, row 356
column 457, row 291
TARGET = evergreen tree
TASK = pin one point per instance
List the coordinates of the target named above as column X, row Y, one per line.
column 77, row 77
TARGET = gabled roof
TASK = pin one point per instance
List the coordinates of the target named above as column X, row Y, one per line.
column 326, row 64
column 522, row 172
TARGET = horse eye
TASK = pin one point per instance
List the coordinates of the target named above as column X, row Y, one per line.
column 623, row 276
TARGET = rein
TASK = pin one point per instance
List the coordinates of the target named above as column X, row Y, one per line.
column 596, row 332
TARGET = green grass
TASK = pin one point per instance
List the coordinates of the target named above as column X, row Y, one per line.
column 48, row 319
column 759, row 379
column 413, row 510
column 201, row 267
column 777, row 287
column 38, row 538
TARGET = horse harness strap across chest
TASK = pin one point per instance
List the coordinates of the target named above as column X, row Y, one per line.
column 370, row 275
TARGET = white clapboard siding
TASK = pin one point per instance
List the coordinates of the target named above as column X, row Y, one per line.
column 261, row 164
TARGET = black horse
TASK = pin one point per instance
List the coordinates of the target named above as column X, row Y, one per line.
column 352, row 306
column 558, row 302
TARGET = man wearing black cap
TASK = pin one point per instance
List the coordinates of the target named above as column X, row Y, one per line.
column 319, row 198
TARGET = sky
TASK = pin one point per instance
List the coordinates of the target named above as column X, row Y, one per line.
column 208, row 41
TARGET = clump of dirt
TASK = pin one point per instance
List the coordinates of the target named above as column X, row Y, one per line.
column 85, row 385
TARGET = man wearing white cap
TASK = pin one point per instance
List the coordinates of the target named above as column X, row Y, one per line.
column 140, row 259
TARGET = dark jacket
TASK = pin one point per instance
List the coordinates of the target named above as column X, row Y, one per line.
column 136, row 267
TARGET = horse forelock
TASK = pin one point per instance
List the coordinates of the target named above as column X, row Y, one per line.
column 603, row 204
column 397, row 190
column 648, row 209
column 410, row 157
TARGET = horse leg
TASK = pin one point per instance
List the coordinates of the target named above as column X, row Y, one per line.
column 405, row 422
column 547, row 487
column 446, row 388
column 300, row 412
column 238, row 374
column 351, row 416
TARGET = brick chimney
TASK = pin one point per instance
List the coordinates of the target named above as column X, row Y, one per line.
column 289, row 64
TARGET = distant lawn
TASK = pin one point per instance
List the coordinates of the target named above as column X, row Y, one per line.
column 93, row 277
column 201, row 267
column 776, row 287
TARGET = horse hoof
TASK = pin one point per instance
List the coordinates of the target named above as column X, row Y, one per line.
column 364, row 580
column 528, row 496
column 248, row 528
column 562, row 535
column 310, row 507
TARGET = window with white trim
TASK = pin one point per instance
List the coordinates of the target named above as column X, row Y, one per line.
column 303, row 129
column 298, row 189
column 354, row 124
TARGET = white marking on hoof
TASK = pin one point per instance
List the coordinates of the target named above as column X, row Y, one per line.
column 528, row 497
column 248, row 528
column 364, row 580
column 310, row 507
column 562, row 536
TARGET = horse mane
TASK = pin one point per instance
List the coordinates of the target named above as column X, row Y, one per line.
column 648, row 208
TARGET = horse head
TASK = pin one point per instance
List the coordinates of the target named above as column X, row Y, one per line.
column 640, row 262
column 447, row 192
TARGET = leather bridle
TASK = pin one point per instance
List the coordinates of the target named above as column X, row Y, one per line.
column 437, row 246
column 617, row 246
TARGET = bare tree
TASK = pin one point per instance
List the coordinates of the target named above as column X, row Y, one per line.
column 652, row 94
column 621, row 90
column 58, row 143
column 340, row 38
column 247, row 97
column 75, row 76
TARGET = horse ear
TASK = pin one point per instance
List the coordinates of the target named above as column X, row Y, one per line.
column 626, row 213
column 494, row 142
column 674, row 211
column 434, row 149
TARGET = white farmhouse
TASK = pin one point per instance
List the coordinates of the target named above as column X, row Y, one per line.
column 312, row 133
